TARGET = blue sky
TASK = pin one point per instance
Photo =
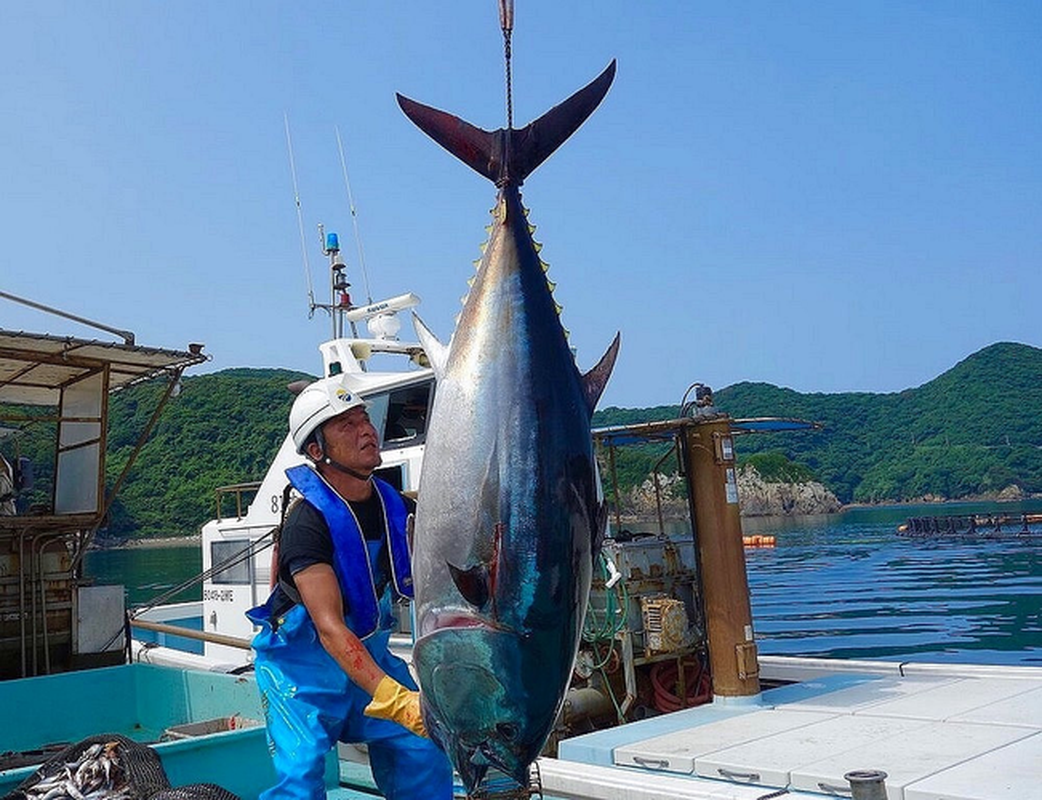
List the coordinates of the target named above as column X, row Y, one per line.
column 825, row 196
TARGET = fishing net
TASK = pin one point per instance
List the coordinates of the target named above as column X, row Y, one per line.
column 108, row 766
column 195, row 791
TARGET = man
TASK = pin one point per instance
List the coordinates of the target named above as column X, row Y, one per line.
column 322, row 660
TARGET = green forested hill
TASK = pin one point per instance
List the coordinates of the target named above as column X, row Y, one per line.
column 222, row 429
column 977, row 428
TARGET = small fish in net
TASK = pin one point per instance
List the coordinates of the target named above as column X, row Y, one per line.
column 109, row 767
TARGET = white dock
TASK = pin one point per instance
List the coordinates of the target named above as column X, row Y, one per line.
column 940, row 733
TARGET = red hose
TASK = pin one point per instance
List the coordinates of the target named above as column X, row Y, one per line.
column 664, row 681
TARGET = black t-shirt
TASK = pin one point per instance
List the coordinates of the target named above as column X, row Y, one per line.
column 305, row 540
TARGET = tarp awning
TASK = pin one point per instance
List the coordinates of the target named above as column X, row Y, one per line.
column 34, row 367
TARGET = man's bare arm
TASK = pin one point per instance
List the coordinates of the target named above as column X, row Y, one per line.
column 320, row 591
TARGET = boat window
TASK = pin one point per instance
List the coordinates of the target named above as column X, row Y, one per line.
column 401, row 415
column 235, row 555
column 393, row 475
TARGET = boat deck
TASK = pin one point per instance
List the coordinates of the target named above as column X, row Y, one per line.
column 938, row 736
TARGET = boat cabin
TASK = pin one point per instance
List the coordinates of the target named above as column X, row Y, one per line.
column 56, row 389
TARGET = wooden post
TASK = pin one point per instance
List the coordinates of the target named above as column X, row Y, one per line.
column 712, row 480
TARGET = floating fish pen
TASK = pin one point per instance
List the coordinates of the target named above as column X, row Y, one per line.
column 1008, row 524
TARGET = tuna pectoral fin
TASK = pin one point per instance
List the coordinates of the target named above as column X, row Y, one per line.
column 596, row 379
column 437, row 353
column 472, row 584
column 510, row 155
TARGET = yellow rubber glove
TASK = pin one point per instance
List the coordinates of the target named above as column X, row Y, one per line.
column 393, row 701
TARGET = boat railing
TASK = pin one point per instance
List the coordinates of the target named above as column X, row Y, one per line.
column 242, row 494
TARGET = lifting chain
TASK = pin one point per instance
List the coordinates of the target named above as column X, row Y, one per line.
column 534, row 790
column 506, row 22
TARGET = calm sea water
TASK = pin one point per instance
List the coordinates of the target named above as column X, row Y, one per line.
column 843, row 585
column 848, row 586
column 148, row 572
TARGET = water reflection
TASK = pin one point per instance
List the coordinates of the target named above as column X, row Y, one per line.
column 848, row 586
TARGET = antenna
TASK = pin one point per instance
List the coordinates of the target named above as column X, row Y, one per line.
column 354, row 217
column 300, row 220
column 339, row 299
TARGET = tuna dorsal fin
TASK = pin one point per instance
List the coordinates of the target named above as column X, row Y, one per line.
column 510, row 160
column 472, row 584
column 437, row 353
column 596, row 379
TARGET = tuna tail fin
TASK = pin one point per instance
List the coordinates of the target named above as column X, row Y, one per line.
column 596, row 379
column 510, row 155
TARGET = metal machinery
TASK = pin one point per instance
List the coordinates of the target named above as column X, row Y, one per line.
column 669, row 622
column 57, row 389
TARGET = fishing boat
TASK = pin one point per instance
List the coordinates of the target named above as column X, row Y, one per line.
column 58, row 387
column 188, row 723
column 63, row 675
column 669, row 696
column 394, row 377
column 728, row 722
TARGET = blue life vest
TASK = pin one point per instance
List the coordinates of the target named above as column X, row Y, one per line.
column 350, row 553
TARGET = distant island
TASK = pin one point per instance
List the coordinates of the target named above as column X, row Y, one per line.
column 975, row 431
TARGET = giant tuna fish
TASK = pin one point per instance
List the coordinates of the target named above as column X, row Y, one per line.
column 510, row 514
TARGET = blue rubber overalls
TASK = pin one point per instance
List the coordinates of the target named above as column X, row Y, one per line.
column 309, row 702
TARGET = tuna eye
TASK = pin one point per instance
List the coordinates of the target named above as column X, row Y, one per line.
column 507, row 731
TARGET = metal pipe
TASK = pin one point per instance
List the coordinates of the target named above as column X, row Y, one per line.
column 127, row 336
column 867, row 784
column 615, row 488
column 43, row 541
column 655, row 472
column 709, row 456
column 629, row 671
column 32, row 605
column 188, row 633
column 585, row 703
column 21, row 593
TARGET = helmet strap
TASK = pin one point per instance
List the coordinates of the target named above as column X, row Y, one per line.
column 319, row 439
column 346, row 469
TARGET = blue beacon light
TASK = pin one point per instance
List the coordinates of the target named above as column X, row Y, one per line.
column 332, row 243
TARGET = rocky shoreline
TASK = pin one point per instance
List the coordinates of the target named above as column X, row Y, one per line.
column 758, row 498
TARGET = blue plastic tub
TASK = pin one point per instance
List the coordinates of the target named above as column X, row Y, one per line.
column 207, row 727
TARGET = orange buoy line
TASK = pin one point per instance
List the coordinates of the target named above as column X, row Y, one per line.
column 758, row 540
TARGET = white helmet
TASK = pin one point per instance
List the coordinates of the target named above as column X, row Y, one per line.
column 318, row 402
